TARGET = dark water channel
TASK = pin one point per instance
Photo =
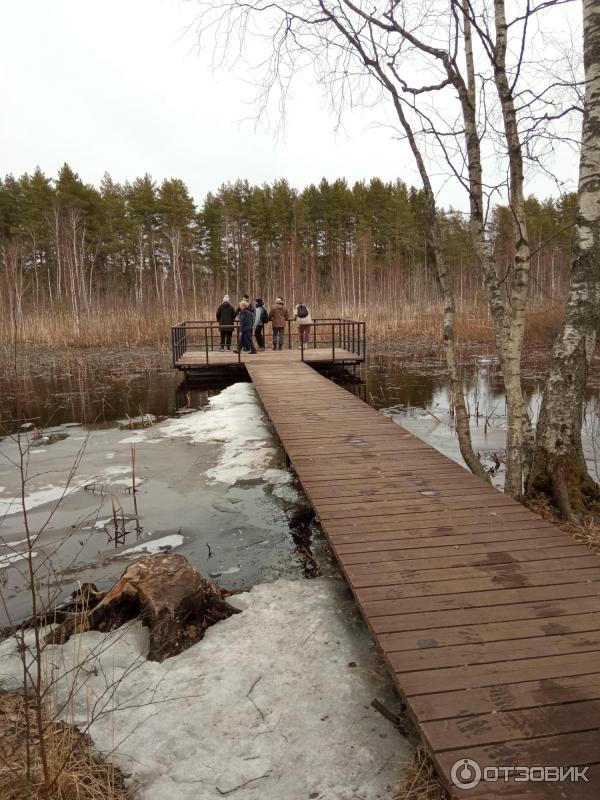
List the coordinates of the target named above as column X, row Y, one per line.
column 210, row 475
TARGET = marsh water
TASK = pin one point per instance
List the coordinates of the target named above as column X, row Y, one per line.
column 209, row 475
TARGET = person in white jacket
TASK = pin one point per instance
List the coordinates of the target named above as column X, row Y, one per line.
column 304, row 321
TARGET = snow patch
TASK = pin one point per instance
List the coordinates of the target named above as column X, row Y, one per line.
column 135, row 438
column 155, row 546
column 4, row 543
column 235, row 419
column 11, row 558
column 36, row 498
column 287, row 493
column 273, row 702
column 277, row 476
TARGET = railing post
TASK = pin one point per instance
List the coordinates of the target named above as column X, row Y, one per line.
column 314, row 335
column 236, row 330
column 301, row 342
column 206, row 342
column 333, row 343
column 289, row 325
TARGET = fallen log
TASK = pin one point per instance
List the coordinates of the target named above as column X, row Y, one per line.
column 167, row 593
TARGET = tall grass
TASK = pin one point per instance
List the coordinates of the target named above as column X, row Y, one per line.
column 76, row 770
column 131, row 326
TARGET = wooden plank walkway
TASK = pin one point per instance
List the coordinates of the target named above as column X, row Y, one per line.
column 488, row 616
column 196, row 358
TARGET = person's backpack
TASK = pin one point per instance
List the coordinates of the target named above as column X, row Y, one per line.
column 302, row 311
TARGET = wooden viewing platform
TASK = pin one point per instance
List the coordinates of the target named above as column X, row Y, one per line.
column 332, row 342
column 488, row 616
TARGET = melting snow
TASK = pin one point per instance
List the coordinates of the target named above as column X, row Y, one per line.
column 11, row 558
column 266, row 706
column 236, row 420
column 155, row 546
column 35, row 498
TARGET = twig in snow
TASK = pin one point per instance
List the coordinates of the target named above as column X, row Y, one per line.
column 393, row 718
column 241, row 786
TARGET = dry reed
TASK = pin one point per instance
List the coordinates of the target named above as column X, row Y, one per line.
column 133, row 326
column 420, row 780
column 77, row 773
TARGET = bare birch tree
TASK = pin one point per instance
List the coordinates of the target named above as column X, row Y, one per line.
column 444, row 65
column 559, row 466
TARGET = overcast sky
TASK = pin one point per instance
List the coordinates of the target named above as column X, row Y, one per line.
column 117, row 86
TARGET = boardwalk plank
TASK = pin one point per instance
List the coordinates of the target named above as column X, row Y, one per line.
column 488, row 616
column 379, row 595
column 497, row 674
column 497, row 572
column 505, row 726
column 529, row 694
column 424, row 639
column 468, row 555
column 494, row 652
column 543, row 608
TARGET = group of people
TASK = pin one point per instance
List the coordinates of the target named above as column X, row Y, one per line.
column 252, row 320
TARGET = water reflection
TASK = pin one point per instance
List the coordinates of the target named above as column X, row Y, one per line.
column 96, row 390
column 103, row 386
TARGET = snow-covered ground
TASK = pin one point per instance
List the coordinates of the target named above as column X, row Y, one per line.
column 236, row 420
column 273, row 704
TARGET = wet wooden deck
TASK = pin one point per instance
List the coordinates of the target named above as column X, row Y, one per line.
column 488, row 616
column 197, row 359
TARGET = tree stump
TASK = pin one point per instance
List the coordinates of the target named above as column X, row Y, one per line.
column 167, row 593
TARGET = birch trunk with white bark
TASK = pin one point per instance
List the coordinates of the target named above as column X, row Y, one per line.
column 559, row 469
column 444, row 280
column 518, row 424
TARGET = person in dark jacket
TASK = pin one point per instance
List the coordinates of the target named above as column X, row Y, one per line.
column 246, row 322
column 261, row 317
column 225, row 318
column 279, row 316
column 304, row 320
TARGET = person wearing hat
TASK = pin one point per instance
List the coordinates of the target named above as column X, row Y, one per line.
column 278, row 315
column 246, row 322
column 261, row 318
column 225, row 318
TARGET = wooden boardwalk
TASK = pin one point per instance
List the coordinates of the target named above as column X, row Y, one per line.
column 194, row 358
column 488, row 616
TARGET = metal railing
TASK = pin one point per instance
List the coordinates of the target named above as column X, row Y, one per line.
column 178, row 341
column 346, row 336
column 200, row 338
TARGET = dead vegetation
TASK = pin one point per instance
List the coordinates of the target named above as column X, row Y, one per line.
column 587, row 533
column 132, row 326
column 420, row 780
column 76, row 772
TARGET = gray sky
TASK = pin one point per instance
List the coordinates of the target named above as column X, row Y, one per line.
column 117, row 86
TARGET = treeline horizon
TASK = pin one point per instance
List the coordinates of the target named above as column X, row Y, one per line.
column 69, row 246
